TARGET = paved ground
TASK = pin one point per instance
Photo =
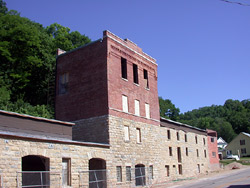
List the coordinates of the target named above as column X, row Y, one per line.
column 239, row 178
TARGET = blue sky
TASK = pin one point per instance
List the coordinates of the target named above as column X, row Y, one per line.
column 202, row 47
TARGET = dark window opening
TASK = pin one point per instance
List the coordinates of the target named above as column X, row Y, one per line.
column 185, row 137
column 179, row 154
column 135, row 72
column 243, row 150
column 145, row 73
column 128, row 173
column 119, row 173
column 170, row 151
column 212, row 139
column 140, row 178
column 180, row 169
column 204, row 141
column 205, row 153
column 124, row 68
column 167, row 169
column 177, row 136
column 97, row 173
column 169, row 135
column 197, row 151
column 40, row 165
column 242, row 142
column 186, row 151
column 196, row 140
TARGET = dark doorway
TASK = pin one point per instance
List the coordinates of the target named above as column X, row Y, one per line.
column 35, row 171
column 140, row 176
column 97, row 173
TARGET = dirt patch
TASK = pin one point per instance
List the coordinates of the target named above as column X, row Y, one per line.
column 233, row 166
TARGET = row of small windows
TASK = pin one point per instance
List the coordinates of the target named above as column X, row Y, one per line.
column 187, row 152
column 135, row 73
column 139, row 174
column 185, row 137
column 137, row 107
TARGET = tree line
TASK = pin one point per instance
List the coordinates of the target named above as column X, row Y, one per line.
column 228, row 120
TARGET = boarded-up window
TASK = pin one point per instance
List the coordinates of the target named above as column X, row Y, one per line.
column 66, row 172
column 214, row 154
column 147, row 110
column 124, row 68
column 124, row 103
column 138, row 135
column 126, row 133
column 63, row 83
column 119, row 173
column 137, row 107
column 128, row 173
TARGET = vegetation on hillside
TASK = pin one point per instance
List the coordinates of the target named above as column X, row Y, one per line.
column 228, row 120
column 28, row 57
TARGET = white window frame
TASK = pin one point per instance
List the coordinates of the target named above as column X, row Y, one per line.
column 138, row 135
column 137, row 107
column 126, row 133
column 147, row 110
column 124, row 103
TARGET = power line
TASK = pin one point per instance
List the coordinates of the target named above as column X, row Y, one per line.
column 233, row 2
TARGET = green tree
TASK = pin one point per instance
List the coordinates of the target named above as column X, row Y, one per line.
column 168, row 109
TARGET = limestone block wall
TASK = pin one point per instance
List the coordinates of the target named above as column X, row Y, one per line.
column 13, row 149
column 154, row 150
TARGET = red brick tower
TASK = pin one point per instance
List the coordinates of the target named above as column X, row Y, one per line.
column 108, row 77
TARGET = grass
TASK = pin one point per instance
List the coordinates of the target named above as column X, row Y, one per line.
column 243, row 160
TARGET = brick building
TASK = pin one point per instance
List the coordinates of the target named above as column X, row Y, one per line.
column 108, row 89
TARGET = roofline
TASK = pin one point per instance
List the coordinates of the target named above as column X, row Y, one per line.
column 182, row 124
column 56, row 140
column 131, row 48
column 35, row 118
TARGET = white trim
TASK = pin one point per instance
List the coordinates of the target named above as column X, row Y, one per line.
column 131, row 48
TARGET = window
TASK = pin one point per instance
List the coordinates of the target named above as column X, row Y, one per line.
column 63, row 83
column 124, row 103
column 138, row 135
column 186, row 151
column 137, row 108
column 147, row 110
column 135, row 73
column 243, row 151
column 126, row 133
column 212, row 139
column 124, row 68
column 170, row 151
column 145, row 73
column 119, row 173
column 198, row 168
column 196, row 140
column 167, row 170
column 169, row 135
column 204, row 141
column 66, row 172
column 205, row 153
column 242, row 142
column 186, row 138
column 179, row 154
column 128, row 173
column 197, row 151
column 180, row 169
column 214, row 154
column 177, row 136
column 151, row 172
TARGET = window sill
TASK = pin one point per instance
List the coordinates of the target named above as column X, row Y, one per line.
column 125, row 79
column 147, row 88
column 137, row 84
